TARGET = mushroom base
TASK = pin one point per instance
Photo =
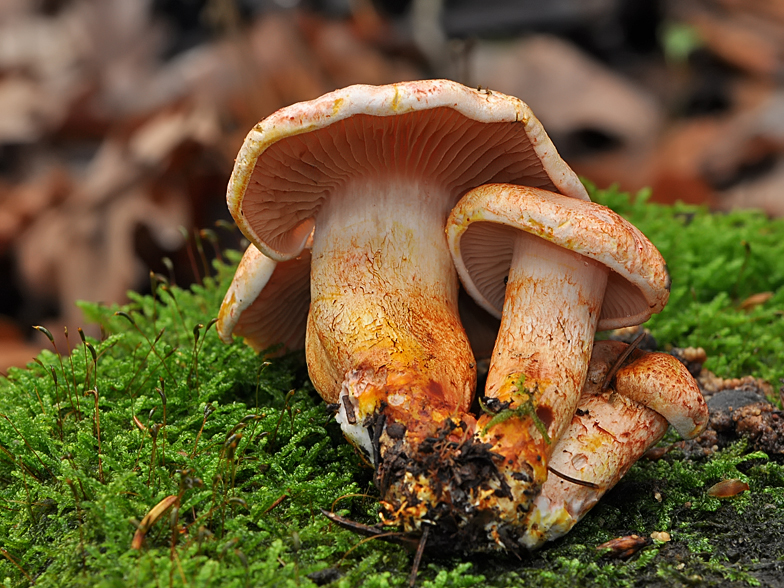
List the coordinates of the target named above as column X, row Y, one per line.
column 475, row 493
column 471, row 488
column 452, row 482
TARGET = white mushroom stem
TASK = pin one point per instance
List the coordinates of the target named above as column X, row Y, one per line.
column 612, row 429
column 551, row 309
column 607, row 436
column 383, row 324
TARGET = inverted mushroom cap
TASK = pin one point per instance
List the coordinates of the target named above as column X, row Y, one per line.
column 267, row 302
column 433, row 131
column 662, row 383
column 481, row 231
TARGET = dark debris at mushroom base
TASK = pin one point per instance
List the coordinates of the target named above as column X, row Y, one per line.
column 438, row 483
column 739, row 409
column 435, row 482
column 761, row 423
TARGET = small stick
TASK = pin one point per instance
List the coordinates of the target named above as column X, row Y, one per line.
column 162, row 394
column 619, row 362
column 13, row 561
column 574, row 480
column 418, row 557
column 276, row 503
column 396, row 537
column 94, row 392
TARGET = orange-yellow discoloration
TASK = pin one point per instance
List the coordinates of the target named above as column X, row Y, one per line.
column 551, row 309
column 384, row 294
column 336, row 106
column 521, row 445
column 396, row 100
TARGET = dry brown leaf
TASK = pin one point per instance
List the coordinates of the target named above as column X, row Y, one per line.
column 347, row 60
column 755, row 300
column 568, row 90
column 727, row 488
column 745, row 41
column 623, row 547
column 14, row 350
column 20, row 204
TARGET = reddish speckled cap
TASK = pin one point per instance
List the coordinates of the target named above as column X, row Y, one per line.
column 454, row 136
column 481, row 230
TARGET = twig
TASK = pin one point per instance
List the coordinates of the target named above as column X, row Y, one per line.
column 418, row 557
column 619, row 362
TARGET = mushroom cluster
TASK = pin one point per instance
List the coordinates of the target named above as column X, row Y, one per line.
column 362, row 207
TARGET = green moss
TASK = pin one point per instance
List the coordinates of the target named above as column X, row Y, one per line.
column 716, row 261
column 249, row 452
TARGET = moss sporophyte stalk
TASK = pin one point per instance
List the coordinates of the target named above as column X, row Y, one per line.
column 249, row 515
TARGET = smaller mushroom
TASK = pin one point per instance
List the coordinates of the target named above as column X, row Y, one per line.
column 610, row 430
column 555, row 269
column 267, row 302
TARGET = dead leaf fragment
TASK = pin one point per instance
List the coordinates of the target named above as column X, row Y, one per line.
column 728, row 488
column 623, row 547
column 755, row 300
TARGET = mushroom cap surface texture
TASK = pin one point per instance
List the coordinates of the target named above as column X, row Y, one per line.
column 482, row 229
column 437, row 132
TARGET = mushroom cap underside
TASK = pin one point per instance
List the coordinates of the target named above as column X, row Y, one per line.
column 434, row 132
column 483, row 226
column 267, row 302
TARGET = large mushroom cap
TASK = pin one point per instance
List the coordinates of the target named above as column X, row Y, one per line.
column 435, row 131
column 482, row 228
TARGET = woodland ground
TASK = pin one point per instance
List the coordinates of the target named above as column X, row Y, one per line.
column 158, row 456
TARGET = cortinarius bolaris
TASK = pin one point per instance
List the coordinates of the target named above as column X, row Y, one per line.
column 371, row 174
column 558, row 267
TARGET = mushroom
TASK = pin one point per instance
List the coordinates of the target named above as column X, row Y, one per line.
column 554, row 269
column 610, row 431
column 372, row 172
column 267, row 302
